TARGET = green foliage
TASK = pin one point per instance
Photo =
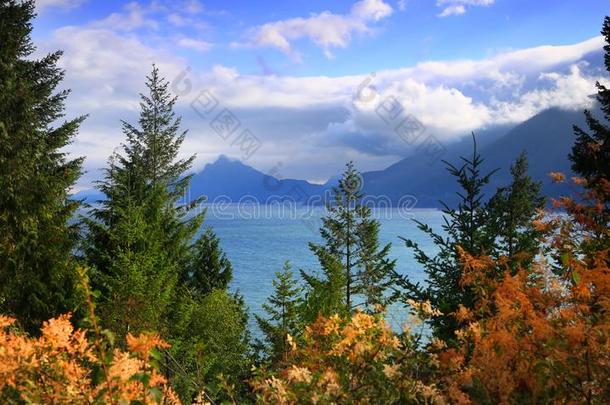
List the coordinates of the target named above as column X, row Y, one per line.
column 36, row 270
column 591, row 151
column 466, row 226
column 283, row 315
column 209, row 335
column 356, row 270
column 216, row 344
column 139, row 239
column 141, row 277
column 209, row 268
column 150, row 274
column 512, row 210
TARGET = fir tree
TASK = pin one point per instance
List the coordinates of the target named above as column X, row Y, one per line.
column 140, row 239
column 512, row 210
column 590, row 154
column 211, row 341
column 36, row 243
column 356, row 271
column 283, row 315
column 465, row 226
column 149, row 273
column 209, row 268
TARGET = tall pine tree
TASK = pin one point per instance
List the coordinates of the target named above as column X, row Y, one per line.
column 356, row 270
column 36, row 242
column 139, row 238
column 467, row 226
column 150, row 273
column 591, row 151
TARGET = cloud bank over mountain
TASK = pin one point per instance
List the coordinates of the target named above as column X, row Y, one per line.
column 297, row 117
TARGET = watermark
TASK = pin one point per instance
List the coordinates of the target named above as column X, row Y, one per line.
column 220, row 118
column 408, row 128
column 291, row 207
column 293, row 200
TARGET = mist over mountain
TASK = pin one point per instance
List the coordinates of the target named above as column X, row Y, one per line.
column 547, row 139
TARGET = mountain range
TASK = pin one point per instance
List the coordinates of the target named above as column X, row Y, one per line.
column 547, row 139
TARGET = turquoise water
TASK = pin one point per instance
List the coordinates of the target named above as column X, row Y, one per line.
column 258, row 240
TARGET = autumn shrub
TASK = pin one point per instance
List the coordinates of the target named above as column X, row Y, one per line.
column 347, row 360
column 541, row 335
column 64, row 366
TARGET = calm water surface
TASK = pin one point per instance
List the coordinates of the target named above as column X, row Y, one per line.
column 259, row 240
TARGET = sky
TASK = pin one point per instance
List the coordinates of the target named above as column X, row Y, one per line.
column 299, row 87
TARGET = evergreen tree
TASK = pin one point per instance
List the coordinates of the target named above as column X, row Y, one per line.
column 209, row 334
column 283, row 314
column 512, row 210
column 591, row 151
column 466, row 226
column 139, row 237
column 36, row 243
column 353, row 264
column 209, row 268
column 325, row 293
column 150, row 274
column 211, row 341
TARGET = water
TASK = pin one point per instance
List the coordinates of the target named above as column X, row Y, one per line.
column 259, row 240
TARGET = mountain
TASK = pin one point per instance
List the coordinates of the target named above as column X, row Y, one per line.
column 89, row 196
column 231, row 180
column 412, row 175
column 547, row 139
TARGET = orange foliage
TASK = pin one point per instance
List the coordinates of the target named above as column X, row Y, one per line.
column 536, row 335
column 557, row 177
column 543, row 334
column 58, row 367
column 358, row 360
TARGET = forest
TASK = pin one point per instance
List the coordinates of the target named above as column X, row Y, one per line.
column 126, row 302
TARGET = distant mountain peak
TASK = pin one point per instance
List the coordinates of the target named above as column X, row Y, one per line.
column 230, row 178
column 225, row 159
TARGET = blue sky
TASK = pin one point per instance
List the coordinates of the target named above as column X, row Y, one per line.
column 289, row 70
column 405, row 37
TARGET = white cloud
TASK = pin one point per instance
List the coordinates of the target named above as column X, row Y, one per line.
column 569, row 91
column 371, row 10
column 300, row 117
column 453, row 10
column 105, row 71
column 194, row 44
column 458, row 7
column 182, row 19
column 402, row 5
column 134, row 17
column 451, row 98
column 177, row 20
column 64, row 4
column 193, row 7
column 327, row 30
column 503, row 69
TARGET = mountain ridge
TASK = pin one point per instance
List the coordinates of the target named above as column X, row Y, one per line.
column 547, row 138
